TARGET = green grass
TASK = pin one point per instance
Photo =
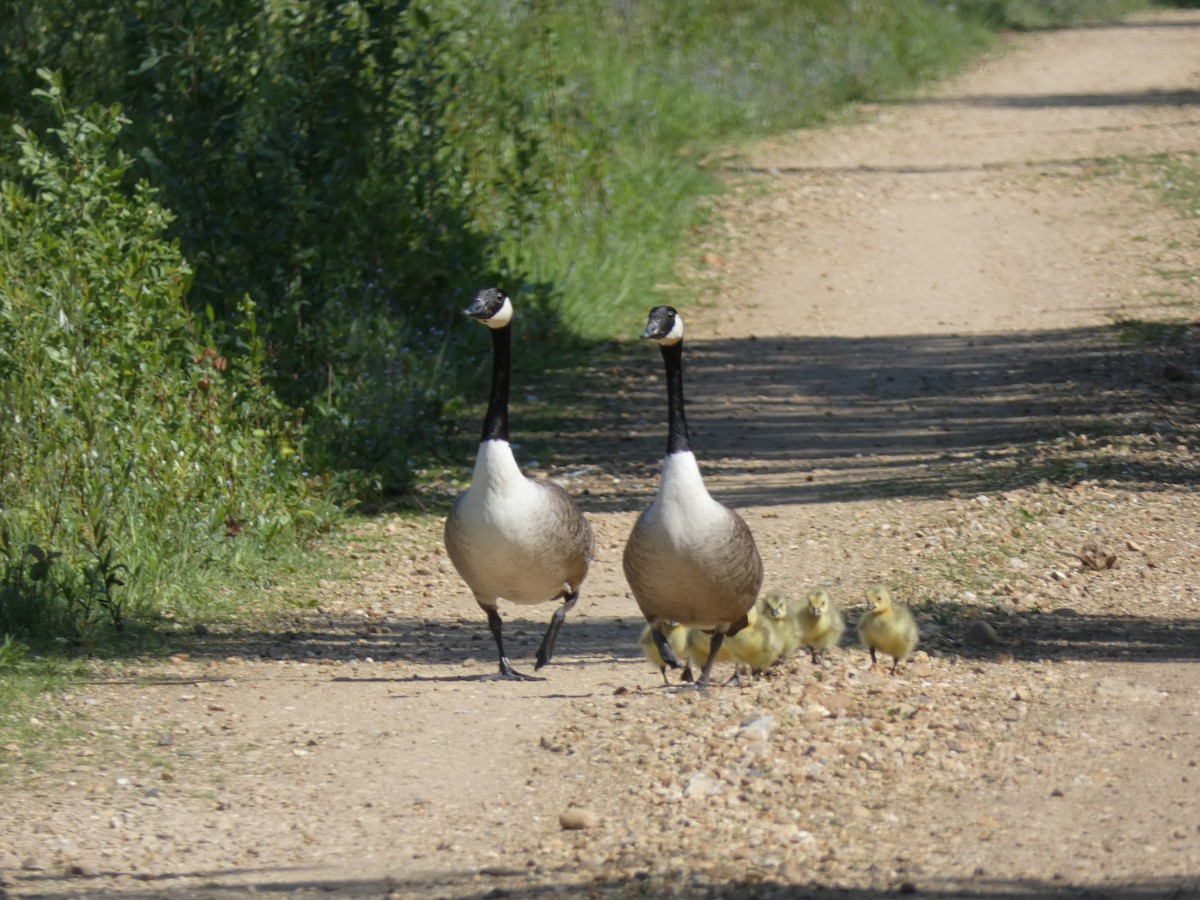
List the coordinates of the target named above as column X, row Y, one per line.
column 1150, row 333
column 636, row 101
column 640, row 96
column 246, row 601
column 1178, row 180
column 30, row 731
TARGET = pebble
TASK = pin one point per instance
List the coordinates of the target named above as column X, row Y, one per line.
column 981, row 632
column 576, row 818
column 756, row 729
column 701, row 785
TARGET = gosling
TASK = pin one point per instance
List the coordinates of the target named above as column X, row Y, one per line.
column 820, row 624
column 757, row 646
column 677, row 639
column 776, row 608
column 887, row 627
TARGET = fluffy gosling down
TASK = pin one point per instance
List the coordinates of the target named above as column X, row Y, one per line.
column 776, row 607
column 677, row 640
column 887, row 627
column 820, row 623
column 757, row 647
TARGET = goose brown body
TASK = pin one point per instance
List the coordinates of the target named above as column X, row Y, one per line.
column 689, row 559
column 514, row 538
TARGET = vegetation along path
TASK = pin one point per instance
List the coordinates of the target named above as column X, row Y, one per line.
column 928, row 348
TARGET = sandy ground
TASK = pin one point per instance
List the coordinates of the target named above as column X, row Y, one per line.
column 901, row 366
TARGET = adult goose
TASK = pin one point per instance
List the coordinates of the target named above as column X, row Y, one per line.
column 689, row 559
column 510, row 536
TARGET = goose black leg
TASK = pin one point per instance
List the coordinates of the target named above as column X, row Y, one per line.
column 717, row 640
column 546, row 651
column 506, row 670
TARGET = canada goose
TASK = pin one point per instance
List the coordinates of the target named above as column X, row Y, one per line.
column 689, row 559
column 677, row 639
column 821, row 624
column 887, row 627
column 757, row 646
column 776, row 607
column 510, row 536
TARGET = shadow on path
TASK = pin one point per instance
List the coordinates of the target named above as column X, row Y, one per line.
column 536, row 883
column 818, row 420
column 1058, row 635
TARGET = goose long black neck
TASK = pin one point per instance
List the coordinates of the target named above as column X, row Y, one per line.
column 495, row 423
column 677, row 431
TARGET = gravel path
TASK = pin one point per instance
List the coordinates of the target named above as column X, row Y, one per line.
column 901, row 366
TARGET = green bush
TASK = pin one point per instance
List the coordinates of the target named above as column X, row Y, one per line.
column 132, row 454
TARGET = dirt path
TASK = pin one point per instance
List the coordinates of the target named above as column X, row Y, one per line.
column 904, row 369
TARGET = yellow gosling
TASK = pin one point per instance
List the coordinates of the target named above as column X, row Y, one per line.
column 676, row 636
column 757, row 646
column 820, row 623
column 887, row 627
column 774, row 606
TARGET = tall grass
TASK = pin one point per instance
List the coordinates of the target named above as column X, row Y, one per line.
column 630, row 96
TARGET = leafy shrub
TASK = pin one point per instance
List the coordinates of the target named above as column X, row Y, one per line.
column 132, row 453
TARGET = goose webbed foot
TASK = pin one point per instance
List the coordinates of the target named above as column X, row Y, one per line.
column 508, row 673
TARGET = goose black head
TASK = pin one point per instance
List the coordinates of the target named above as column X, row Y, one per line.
column 664, row 326
column 491, row 307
